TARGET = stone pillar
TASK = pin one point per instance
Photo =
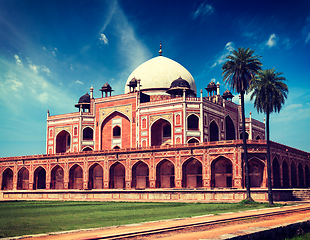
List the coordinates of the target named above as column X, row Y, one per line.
column 66, row 175
column 178, row 172
column 15, row 175
column 31, row 176
column 48, row 176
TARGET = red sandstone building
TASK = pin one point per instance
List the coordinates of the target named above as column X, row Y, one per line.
column 159, row 134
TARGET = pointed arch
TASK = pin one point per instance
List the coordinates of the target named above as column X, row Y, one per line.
column 76, row 177
column 88, row 134
column 192, row 173
column 63, row 141
column 7, row 179
column 276, row 173
column 87, row 149
column 285, row 174
column 165, row 174
column 256, row 172
column 229, row 128
column 117, row 176
column 39, row 178
column 246, row 135
column 140, row 175
column 301, row 176
column 95, row 177
column 57, row 177
column 193, row 140
column 258, row 137
column 307, row 174
column 160, row 132
column 108, row 125
column 293, row 174
column 23, row 179
column 214, row 131
column 193, row 122
column 221, row 173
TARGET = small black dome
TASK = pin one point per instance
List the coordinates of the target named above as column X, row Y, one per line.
column 181, row 83
column 85, row 98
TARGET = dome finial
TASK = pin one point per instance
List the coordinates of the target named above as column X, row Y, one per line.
column 160, row 51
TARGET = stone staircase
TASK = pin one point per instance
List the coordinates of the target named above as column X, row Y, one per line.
column 301, row 194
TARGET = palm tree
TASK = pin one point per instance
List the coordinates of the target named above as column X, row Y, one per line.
column 270, row 93
column 240, row 68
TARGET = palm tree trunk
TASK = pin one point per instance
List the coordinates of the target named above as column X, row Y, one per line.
column 245, row 152
column 270, row 197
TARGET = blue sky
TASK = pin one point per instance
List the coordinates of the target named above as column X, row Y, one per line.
column 53, row 51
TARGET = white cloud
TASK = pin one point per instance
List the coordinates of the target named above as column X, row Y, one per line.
column 272, row 41
column 34, row 68
column 18, row 61
column 103, row 39
column 203, row 10
column 45, row 69
column 222, row 56
column 79, row 82
column 308, row 37
column 54, row 53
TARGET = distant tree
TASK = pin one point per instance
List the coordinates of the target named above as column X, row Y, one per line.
column 269, row 92
column 240, row 68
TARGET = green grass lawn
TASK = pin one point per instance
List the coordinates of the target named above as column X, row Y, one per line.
column 33, row 217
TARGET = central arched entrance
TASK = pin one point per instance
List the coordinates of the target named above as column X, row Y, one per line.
column 140, row 175
column 165, row 174
column 95, row 177
column 192, row 173
column 39, row 178
column 161, row 133
column 117, row 176
column 221, row 173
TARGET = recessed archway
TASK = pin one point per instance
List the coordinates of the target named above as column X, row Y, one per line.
column 285, row 174
column 276, row 173
column 307, row 173
column 95, row 177
column 23, row 179
column 229, row 129
column 193, row 140
column 140, row 175
column 88, row 134
column 39, row 178
column 160, row 132
column 117, row 176
column 256, row 172
column 193, row 122
column 192, row 173
column 300, row 176
column 7, row 179
column 63, row 142
column 246, row 135
column 165, row 174
column 214, row 132
column 57, row 177
column 293, row 175
column 76, row 177
column 221, row 173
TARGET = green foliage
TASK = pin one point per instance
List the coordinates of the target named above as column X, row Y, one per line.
column 33, row 217
column 302, row 237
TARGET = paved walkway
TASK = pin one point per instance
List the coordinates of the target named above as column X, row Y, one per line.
column 208, row 234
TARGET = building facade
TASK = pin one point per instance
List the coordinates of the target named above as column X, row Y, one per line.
column 159, row 134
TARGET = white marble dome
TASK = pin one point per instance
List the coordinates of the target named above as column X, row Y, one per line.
column 158, row 73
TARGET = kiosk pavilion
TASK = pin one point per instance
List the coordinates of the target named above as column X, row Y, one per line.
column 159, row 134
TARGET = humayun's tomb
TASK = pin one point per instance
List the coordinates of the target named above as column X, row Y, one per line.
column 160, row 140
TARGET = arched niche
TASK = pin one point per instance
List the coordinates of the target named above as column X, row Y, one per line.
column 76, row 177
column 140, row 175
column 229, row 129
column 193, row 122
column 39, row 178
column 7, row 179
column 246, row 135
column 160, row 132
column 57, row 178
column 221, row 173
column 63, row 142
column 307, row 174
column 256, row 172
column 95, row 180
column 88, row 134
column 192, row 173
column 193, row 140
column 87, row 149
column 116, row 132
column 165, row 174
column 117, row 176
column 214, row 132
column 23, row 179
